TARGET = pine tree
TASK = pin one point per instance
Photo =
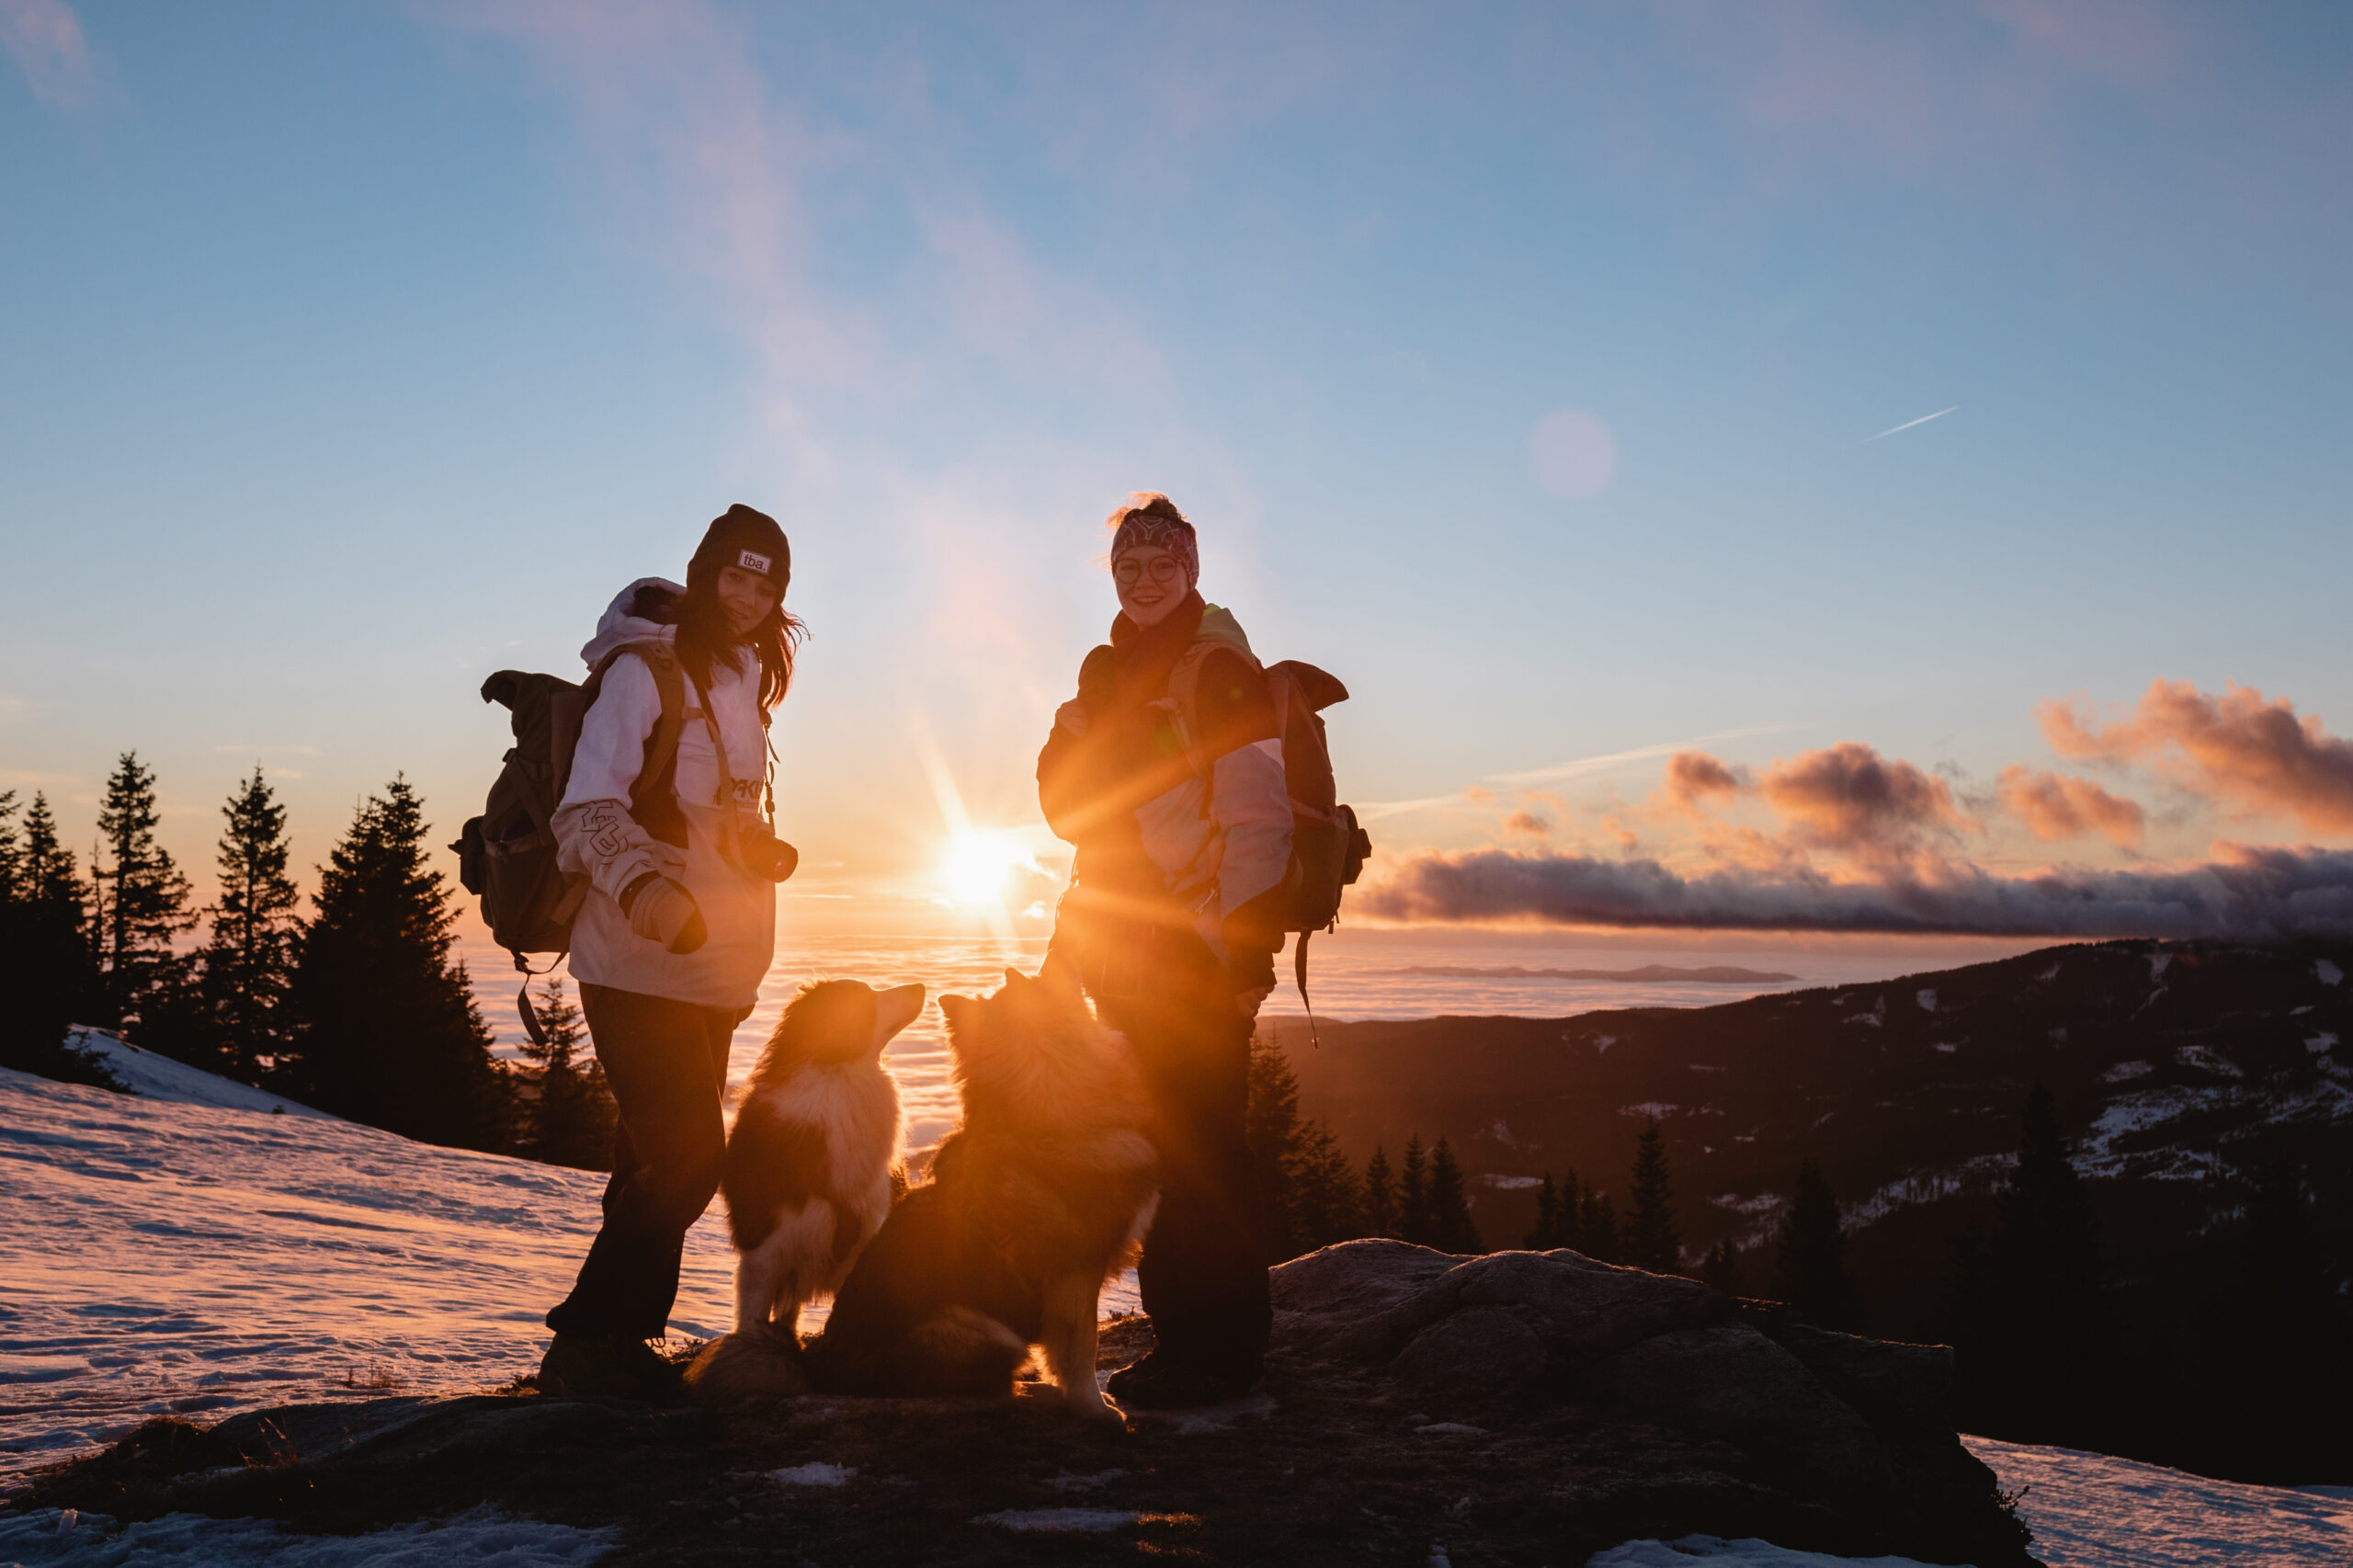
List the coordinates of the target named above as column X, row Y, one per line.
column 1413, row 1194
column 1328, row 1200
column 387, row 1032
column 144, row 899
column 45, row 975
column 257, row 931
column 1719, row 1270
column 1652, row 1240
column 1273, row 1130
column 1547, row 1233
column 1382, row 1216
column 1597, row 1226
column 1452, row 1228
column 571, row 1114
column 2033, row 1323
column 1810, row 1257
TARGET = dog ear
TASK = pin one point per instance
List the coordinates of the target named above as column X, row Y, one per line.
column 955, row 1009
column 893, row 1010
column 1014, row 977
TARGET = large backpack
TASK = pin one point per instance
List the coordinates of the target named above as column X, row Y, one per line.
column 1328, row 848
column 506, row 857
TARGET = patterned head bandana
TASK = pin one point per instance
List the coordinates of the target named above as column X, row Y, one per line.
column 1148, row 517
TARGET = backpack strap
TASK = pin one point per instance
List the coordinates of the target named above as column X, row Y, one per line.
column 670, row 685
column 1185, row 698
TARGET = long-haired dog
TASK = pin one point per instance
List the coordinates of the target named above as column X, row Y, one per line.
column 808, row 1175
column 1040, row 1195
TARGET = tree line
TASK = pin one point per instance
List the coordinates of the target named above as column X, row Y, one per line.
column 360, row 1007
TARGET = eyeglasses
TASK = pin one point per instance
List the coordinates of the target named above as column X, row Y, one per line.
column 1130, row 571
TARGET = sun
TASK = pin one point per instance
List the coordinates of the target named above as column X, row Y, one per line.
column 980, row 865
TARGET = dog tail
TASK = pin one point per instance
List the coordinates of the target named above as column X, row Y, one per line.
column 758, row 1364
column 956, row 1351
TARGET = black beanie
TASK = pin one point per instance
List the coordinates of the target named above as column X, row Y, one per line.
column 743, row 537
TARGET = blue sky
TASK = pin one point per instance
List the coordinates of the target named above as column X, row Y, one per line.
column 349, row 353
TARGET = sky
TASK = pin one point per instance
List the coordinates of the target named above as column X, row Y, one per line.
column 1793, row 466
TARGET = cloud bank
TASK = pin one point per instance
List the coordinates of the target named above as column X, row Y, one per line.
column 2235, row 747
column 2247, row 892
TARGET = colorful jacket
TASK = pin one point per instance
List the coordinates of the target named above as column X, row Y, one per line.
column 1182, row 817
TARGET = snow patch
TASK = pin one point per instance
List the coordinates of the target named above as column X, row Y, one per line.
column 1602, row 1042
column 2094, row 1510
column 1060, row 1521
column 1502, row 1134
column 1658, row 1108
column 816, row 1472
column 2328, row 972
column 2321, row 1044
column 2125, row 1072
column 1876, row 1017
column 1926, row 998
column 1065, row 1482
column 1946, row 1048
column 2206, row 1058
column 1209, row 1417
column 2050, row 974
column 481, row 1536
column 154, row 1077
column 1511, row 1183
column 2158, row 964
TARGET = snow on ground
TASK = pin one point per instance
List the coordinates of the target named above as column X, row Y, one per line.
column 155, row 1077
column 481, row 1538
column 2097, row 1511
column 171, row 1255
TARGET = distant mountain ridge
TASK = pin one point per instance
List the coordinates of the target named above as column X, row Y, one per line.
column 1706, row 975
column 2172, row 1062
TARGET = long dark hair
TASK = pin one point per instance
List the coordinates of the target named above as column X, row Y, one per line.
column 704, row 639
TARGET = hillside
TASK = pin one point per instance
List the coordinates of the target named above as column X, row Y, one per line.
column 2172, row 1064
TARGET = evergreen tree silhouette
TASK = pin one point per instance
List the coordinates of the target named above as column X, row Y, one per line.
column 1452, row 1228
column 143, row 897
column 1719, row 1270
column 46, row 973
column 1382, row 1215
column 2033, row 1327
column 1547, row 1233
column 1413, row 1194
column 1652, row 1240
column 1328, row 1200
column 256, row 930
column 2286, row 1299
column 1810, row 1257
column 387, row 1033
column 1597, row 1226
column 572, row 1116
column 1273, row 1130
column 1568, row 1215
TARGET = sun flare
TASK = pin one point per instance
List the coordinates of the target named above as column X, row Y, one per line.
column 982, row 864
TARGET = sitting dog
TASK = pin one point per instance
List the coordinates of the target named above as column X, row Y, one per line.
column 1040, row 1195
column 809, row 1174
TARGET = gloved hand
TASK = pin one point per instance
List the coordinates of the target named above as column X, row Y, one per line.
column 661, row 911
column 768, row 855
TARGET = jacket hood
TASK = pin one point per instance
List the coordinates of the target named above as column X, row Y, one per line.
column 618, row 626
column 1218, row 625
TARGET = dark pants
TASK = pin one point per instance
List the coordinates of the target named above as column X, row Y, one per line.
column 1204, row 1269
column 667, row 1065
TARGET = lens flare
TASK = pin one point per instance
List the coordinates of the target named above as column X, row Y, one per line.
column 980, row 867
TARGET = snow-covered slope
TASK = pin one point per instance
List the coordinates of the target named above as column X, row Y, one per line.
column 162, row 1256
column 176, row 1251
column 155, row 1077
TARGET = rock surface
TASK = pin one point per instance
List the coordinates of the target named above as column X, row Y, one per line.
column 1514, row 1408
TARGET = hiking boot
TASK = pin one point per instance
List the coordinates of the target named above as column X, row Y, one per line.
column 609, row 1367
column 1160, row 1381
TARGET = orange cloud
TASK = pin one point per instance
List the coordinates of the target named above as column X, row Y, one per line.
column 1848, row 798
column 2057, row 806
column 2235, row 747
column 1527, row 822
column 1694, row 775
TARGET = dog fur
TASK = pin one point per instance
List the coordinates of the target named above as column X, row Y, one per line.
column 1041, row 1195
column 809, row 1175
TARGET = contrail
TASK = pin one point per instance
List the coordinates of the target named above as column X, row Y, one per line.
column 1579, row 769
column 1909, row 423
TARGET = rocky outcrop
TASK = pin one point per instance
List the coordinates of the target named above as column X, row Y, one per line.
column 1513, row 1408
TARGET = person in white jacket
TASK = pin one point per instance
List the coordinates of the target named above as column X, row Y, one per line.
column 678, row 927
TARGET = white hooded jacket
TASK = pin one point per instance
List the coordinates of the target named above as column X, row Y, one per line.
column 598, row 838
